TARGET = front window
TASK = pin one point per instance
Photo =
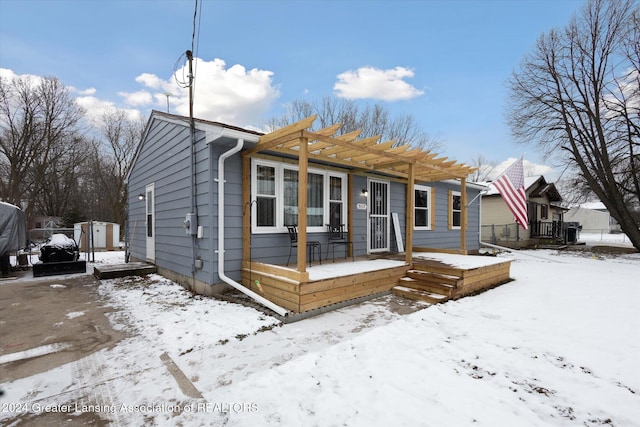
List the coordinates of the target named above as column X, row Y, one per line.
column 422, row 202
column 275, row 190
column 315, row 198
column 456, row 211
column 544, row 211
column 265, row 196
column 335, row 200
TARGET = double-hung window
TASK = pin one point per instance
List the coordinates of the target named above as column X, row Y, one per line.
column 275, row 191
column 422, row 206
column 265, row 195
column 455, row 212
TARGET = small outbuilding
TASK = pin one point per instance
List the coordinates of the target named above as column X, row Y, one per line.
column 106, row 235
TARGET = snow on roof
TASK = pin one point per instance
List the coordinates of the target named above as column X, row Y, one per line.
column 528, row 182
column 593, row 205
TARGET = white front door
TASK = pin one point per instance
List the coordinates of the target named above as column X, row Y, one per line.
column 378, row 224
column 151, row 222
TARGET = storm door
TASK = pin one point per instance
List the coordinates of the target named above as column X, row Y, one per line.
column 378, row 207
column 150, row 222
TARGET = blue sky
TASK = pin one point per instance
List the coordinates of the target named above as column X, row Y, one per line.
column 444, row 62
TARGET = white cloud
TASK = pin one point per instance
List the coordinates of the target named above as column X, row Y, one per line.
column 150, row 80
column 141, row 97
column 234, row 95
column 85, row 92
column 231, row 95
column 530, row 169
column 374, row 83
column 96, row 108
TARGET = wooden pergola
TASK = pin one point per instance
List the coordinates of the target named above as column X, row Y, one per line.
column 365, row 155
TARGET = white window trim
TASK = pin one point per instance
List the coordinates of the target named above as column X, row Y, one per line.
column 279, row 188
column 429, row 207
column 455, row 193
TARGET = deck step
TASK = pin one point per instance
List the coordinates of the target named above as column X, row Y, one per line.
column 426, row 276
column 112, row 271
column 419, row 295
column 435, row 288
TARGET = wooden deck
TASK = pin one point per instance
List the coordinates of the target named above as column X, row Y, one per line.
column 436, row 278
column 426, row 278
column 300, row 292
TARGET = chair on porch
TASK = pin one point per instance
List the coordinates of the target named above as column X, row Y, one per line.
column 337, row 236
column 312, row 245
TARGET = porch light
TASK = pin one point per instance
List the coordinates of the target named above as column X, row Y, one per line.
column 364, row 193
column 141, row 197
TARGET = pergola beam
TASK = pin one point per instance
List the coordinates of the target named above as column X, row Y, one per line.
column 365, row 154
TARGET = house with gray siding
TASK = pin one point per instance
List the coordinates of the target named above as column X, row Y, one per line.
column 209, row 203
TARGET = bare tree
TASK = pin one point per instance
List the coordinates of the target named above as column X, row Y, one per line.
column 484, row 169
column 60, row 189
column 576, row 96
column 113, row 157
column 38, row 125
column 371, row 119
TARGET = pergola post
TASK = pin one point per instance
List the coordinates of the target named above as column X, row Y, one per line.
column 410, row 213
column 302, row 204
column 463, row 212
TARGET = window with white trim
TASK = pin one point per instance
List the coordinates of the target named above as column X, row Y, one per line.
column 422, row 206
column 456, row 209
column 274, row 188
column 265, row 195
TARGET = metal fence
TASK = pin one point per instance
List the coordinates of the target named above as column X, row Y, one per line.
column 501, row 234
column 40, row 235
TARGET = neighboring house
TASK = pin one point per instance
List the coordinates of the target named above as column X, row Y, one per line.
column 543, row 209
column 212, row 208
column 593, row 218
column 41, row 227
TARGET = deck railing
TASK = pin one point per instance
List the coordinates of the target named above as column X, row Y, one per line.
column 550, row 229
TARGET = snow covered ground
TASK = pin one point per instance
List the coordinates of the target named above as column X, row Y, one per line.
column 557, row 346
column 605, row 238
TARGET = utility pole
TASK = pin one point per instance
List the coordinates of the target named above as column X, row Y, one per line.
column 190, row 77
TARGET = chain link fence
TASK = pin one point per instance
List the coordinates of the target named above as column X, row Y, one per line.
column 501, row 234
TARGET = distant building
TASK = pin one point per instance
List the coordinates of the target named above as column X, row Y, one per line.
column 545, row 215
column 593, row 217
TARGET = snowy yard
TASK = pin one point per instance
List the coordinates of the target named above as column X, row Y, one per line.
column 557, row 346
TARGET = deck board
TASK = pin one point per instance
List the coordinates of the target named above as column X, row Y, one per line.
column 112, row 271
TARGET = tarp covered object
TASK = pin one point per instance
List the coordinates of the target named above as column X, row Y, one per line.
column 13, row 228
column 59, row 248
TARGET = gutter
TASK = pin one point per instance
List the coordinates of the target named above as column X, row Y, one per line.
column 280, row 310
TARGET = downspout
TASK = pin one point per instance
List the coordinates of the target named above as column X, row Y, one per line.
column 281, row 311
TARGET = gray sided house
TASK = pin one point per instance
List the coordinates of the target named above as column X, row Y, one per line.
column 211, row 207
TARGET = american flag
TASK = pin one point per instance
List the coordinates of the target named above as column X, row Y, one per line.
column 510, row 185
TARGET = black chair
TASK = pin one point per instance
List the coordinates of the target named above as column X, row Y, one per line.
column 337, row 236
column 311, row 245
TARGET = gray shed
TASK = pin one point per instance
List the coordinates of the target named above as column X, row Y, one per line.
column 13, row 232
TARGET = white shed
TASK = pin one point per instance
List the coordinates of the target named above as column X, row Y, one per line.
column 593, row 217
column 106, row 235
